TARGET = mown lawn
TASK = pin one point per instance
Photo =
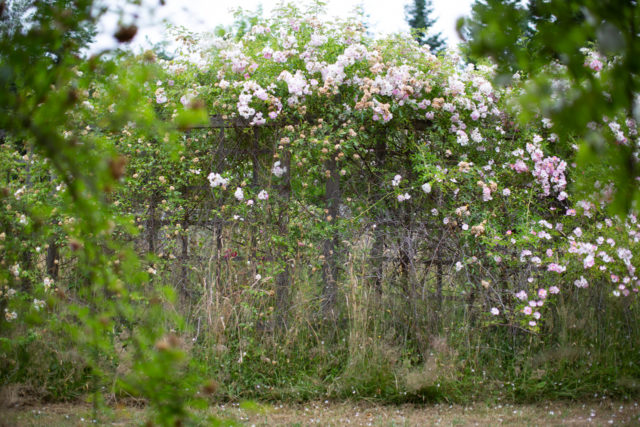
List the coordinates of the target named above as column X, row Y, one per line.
column 595, row 412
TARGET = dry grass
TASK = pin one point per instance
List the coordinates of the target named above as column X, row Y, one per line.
column 603, row 412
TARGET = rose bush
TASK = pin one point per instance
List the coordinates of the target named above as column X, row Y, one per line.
column 340, row 173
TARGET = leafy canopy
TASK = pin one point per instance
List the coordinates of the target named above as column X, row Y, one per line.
column 546, row 40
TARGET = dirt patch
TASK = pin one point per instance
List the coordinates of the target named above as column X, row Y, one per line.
column 361, row 414
column 597, row 412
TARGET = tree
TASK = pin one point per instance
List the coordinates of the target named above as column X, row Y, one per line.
column 69, row 174
column 583, row 61
column 419, row 19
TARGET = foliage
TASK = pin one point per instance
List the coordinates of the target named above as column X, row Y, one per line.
column 68, row 277
column 307, row 212
column 318, row 104
column 582, row 61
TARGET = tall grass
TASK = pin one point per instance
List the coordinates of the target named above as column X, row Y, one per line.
column 408, row 341
column 389, row 347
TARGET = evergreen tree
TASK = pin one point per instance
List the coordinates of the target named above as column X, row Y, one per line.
column 419, row 19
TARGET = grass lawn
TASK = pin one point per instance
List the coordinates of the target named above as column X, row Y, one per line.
column 596, row 412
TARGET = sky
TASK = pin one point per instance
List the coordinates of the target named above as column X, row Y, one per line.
column 384, row 16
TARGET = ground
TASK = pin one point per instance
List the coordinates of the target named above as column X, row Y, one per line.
column 596, row 412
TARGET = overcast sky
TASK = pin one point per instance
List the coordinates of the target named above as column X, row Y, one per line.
column 384, row 16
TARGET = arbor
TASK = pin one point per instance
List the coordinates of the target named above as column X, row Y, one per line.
column 582, row 59
column 418, row 16
column 341, row 173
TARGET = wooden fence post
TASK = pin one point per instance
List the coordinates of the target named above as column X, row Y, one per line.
column 283, row 279
column 330, row 244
